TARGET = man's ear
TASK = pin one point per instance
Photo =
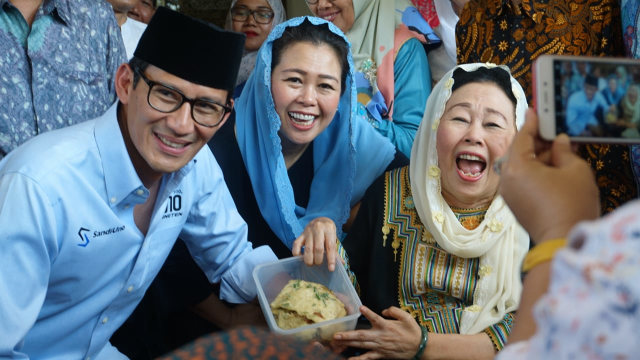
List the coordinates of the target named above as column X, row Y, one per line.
column 124, row 82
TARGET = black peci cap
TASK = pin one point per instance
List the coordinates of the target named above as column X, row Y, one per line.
column 192, row 49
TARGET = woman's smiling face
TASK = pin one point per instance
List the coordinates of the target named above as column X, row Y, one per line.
column 256, row 32
column 305, row 86
column 339, row 12
column 476, row 128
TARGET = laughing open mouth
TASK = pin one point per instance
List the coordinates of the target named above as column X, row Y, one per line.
column 470, row 165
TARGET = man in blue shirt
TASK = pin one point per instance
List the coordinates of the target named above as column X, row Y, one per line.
column 58, row 59
column 585, row 108
column 89, row 213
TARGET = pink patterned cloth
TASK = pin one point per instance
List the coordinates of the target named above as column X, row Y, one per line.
column 592, row 307
column 427, row 9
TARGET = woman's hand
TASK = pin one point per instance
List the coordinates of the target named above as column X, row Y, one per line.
column 398, row 337
column 318, row 236
column 549, row 189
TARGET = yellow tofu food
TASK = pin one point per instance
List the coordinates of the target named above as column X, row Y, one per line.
column 302, row 302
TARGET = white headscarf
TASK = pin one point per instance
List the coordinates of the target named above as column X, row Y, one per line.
column 499, row 241
column 249, row 57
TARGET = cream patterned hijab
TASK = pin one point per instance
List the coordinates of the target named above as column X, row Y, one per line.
column 499, row 241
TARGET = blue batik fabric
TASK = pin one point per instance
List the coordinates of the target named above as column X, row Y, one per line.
column 347, row 156
column 58, row 72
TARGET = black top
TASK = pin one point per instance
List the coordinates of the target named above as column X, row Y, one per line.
column 373, row 265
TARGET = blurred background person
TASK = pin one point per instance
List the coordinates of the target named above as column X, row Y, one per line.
column 255, row 19
column 143, row 10
column 393, row 74
column 442, row 16
column 612, row 92
column 130, row 29
column 586, row 109
column 629, row 111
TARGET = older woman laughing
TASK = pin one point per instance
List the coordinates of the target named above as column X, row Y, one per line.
column 434, row 248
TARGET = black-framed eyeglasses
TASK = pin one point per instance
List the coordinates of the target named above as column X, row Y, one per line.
column 261, row 16
column 167, row 99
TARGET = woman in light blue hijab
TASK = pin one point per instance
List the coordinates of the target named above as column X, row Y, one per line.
column 343, row 152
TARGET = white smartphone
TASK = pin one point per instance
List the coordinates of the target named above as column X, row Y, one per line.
column 592, row 99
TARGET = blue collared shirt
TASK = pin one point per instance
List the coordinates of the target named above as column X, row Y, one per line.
column 74, row 264
column 582, row 111
column 60, row 71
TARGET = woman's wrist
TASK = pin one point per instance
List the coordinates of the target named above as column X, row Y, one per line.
column 542, row 253
column 423, row 343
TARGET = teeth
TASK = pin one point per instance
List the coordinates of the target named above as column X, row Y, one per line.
column 301, row 118
column 330, row 17
column 471, row 175
column 170, row 143
column 470, row 157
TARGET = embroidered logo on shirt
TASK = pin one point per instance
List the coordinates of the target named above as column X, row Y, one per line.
column 84, row 239
column 174, row 206
column 84, row 234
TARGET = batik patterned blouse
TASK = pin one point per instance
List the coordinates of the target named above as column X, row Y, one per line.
column 407, row 268
column 501, row 32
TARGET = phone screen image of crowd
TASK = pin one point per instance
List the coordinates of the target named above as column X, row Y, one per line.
column 597, row 99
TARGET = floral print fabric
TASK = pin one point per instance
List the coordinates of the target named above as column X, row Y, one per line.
column 58, row 73
column 591, row 310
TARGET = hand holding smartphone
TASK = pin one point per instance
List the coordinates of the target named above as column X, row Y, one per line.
column 592, row 99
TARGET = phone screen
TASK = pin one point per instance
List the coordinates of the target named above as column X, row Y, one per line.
column 597, row 99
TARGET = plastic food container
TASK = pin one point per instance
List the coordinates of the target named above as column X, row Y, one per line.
column 271, row 278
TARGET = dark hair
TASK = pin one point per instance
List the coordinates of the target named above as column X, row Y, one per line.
column 496, row 75
column 140, row 65
column 317, row 35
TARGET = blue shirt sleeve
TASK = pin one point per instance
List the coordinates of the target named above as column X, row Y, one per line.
column 412, row 77
column 26, row 220
column 216, row 236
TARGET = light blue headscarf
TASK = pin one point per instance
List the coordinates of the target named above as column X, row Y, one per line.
column 347, row 156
